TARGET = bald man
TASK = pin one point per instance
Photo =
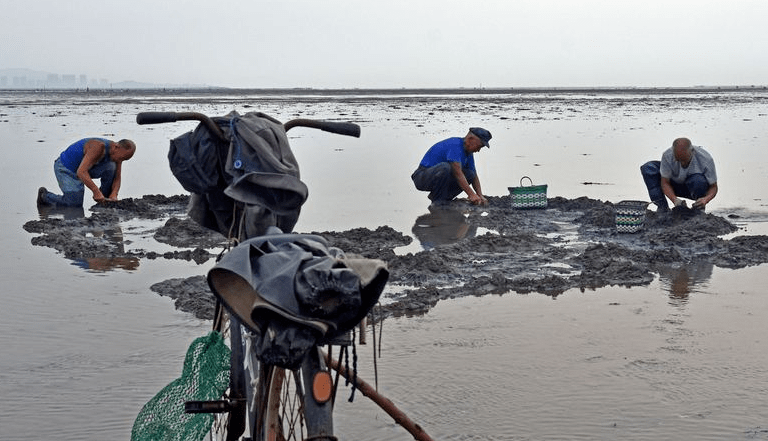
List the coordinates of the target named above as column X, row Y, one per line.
column 684, row 172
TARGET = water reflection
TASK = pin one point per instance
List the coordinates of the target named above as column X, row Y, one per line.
column 68, row 213
column 115, row 258
column 680, row 281
column 442, row 225
column 106, row 244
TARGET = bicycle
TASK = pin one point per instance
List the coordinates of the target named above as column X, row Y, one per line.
column 265, row 401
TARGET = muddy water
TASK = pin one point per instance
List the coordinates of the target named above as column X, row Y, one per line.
column 85, row 344
column 642, row 363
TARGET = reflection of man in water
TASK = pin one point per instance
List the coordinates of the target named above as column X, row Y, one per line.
column 108, row 257
column 685, row 171
column 81, row 163
column 448, row 168
column 682, row 280
column 441, row 226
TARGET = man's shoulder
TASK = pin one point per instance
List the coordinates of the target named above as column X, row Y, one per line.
column 700, row 150
column 97, row 142
column 451, row 141
column 668, row 155
column 447, row 145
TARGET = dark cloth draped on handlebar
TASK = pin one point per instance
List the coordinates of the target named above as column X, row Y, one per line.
column 255, row 168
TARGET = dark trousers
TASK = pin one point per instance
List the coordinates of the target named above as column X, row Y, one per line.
column 439, row 181
column 694, row 187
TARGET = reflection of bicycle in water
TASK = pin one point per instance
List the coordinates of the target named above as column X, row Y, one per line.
column 281, row 297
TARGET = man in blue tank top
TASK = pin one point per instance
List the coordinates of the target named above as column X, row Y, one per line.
column 81, row 163
column 448, row 168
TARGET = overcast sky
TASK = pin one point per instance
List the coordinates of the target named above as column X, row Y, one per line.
column 392, row 43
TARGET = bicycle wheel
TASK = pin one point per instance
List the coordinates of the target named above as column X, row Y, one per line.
column 283, row 417
column 290, row 412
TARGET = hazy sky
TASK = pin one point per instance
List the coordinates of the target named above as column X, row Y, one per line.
column 392, row 43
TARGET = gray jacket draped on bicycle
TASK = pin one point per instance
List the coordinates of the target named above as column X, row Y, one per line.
column 256, row 167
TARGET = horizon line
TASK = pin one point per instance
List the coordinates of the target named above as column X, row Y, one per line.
column 116, row 87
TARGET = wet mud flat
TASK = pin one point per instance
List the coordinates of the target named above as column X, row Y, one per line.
column 471, row 251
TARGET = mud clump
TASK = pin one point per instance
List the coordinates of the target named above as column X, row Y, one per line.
column 572, row 244
column 190, row 295
column 102, row 235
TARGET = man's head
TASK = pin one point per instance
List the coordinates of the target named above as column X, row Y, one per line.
column 123, row 150
column 476, row 139
column 683, row 150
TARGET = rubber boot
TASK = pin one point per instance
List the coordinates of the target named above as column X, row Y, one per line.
column 661, row 205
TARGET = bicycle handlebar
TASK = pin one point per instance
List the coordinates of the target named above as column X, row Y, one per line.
column 166, row 117
column 340, row 128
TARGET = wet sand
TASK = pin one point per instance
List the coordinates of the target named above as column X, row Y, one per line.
column 573, row 243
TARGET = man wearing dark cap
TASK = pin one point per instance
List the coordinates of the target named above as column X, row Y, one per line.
column 448, row 168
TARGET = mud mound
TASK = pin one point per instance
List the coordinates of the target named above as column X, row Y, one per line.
column 102, row 236
column 573, row 243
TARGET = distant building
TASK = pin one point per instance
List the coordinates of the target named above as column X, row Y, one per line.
column 68, row 80
column 83, row 80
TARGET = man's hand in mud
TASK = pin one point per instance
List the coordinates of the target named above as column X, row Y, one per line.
column 700, row 203
column 679, row 202
column 476, row 199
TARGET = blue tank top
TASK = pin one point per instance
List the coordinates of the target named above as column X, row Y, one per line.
column 73, row 155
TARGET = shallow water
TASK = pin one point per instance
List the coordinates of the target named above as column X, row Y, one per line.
column 85, row 345
column 640, row 363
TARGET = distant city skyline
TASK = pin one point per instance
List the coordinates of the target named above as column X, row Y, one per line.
column 22, row 78
column 27, row 78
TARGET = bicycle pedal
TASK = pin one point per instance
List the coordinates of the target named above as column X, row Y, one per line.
column 215, row 406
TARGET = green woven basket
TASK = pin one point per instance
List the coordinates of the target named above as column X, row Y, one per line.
column 528, row 196
column 630, row 216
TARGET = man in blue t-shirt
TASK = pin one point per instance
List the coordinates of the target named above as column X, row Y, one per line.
column 448, row 168
column 81, row 163
column 685, row 171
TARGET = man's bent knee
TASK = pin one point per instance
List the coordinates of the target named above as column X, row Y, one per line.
column 650, row 168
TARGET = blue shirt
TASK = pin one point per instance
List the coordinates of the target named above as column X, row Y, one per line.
column 74, row 154
column 448, row 150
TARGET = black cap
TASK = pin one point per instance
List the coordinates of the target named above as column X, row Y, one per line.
column 481, row 133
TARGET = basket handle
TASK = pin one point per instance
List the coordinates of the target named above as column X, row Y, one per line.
column 529, row 180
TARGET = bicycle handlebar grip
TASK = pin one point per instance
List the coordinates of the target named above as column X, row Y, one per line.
column 156, row 117
column 341, row 128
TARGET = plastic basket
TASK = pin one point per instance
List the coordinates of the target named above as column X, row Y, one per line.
column 630, row 216
column 528, row 196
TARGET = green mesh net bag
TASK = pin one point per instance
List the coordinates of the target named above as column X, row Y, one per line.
column 205, row 377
